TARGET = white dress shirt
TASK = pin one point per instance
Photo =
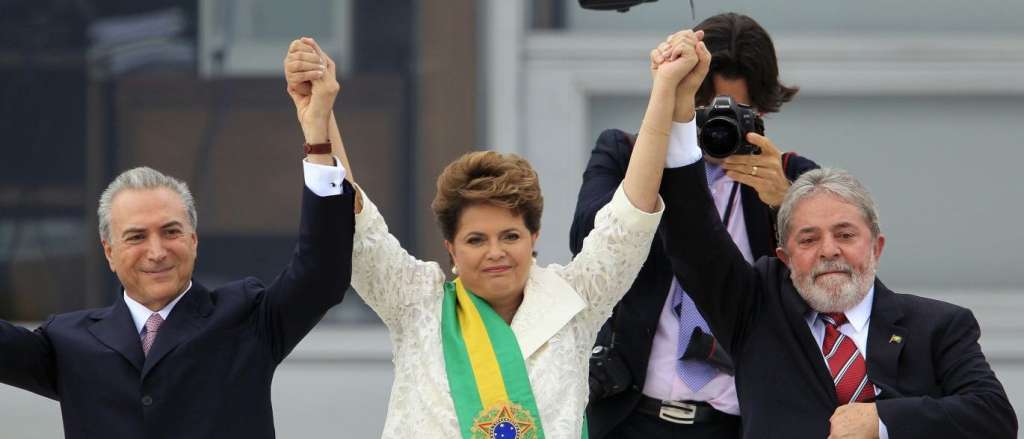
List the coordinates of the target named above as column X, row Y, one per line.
column 662, row 381
column 140, row 313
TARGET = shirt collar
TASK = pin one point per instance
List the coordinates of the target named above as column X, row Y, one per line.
column 858, row 316
column 140, row 313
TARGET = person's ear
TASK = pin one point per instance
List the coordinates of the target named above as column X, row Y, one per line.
column 782, row 255
column 108, row 251
column 451, row 251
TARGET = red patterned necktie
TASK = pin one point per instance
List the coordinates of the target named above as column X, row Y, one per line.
column 152, row 328
column 849, row 372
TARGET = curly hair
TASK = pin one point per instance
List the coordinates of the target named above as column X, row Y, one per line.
column 487, row 177
column 741, row 49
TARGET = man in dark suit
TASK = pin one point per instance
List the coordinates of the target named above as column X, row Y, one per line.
column 638, row 387
column 822, row 348
column 172, row 358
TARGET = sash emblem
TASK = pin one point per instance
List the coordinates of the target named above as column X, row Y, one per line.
column 504, row 420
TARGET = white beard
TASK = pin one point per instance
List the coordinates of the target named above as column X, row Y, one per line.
column 836, row 292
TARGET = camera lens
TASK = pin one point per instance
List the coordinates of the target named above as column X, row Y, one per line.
column 719, row 137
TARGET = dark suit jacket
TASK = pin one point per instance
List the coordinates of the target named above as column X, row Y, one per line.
column 208, row 374
column 636, row 316
column 935, row 382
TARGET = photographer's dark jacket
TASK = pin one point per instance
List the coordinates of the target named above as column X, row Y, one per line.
column 635, row 319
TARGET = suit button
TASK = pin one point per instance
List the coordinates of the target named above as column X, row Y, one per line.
column 147, row 401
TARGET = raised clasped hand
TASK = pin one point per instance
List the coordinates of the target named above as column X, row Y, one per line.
column 682, row 59
column 312, row 85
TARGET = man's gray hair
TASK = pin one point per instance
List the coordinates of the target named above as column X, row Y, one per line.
column 834, row 181
column 143, row 178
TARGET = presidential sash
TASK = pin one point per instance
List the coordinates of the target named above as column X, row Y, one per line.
column 486, row 370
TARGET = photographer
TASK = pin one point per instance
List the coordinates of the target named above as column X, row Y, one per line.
column 657, row 370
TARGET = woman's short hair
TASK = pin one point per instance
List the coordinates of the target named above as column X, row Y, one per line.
column 487, row 177
column 741, row 49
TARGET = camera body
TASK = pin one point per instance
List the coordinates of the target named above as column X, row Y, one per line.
column 612, row 5
column 722, row 128
column 609, row 375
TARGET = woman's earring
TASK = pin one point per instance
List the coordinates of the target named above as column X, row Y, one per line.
column 455, row 270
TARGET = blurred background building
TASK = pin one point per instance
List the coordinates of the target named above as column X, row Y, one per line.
column 917, row 98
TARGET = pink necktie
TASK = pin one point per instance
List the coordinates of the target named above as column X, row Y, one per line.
column 152, row 327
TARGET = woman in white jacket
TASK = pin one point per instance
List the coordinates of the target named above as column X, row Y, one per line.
column 502, row 350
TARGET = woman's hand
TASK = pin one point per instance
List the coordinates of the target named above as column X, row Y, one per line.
column 676, row 46
column 302, row 64
column 674, row 58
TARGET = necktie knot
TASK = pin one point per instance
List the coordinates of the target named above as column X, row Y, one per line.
column 713, row 172
column 835, row 319
column 152, row 327
column 153, row 322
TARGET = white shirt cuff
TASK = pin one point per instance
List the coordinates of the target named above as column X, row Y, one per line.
column 883, row 433
column 324, row 180
column 682, row 145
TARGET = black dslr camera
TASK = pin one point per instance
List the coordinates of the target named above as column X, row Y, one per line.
column 609, row 376
column 722, row 128
column 608, row 5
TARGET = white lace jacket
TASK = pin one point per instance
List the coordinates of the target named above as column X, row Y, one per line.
column 556, row 325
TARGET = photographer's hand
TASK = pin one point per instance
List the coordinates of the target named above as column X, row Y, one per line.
column 763, row 172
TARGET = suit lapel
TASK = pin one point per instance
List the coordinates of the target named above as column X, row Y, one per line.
column 115, row 328
column 549, row 303
column 185, row 320
column 757, row 218
column 885, row 340
column 796, row 308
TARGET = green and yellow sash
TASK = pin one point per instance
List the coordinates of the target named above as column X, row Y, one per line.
column 486, row 371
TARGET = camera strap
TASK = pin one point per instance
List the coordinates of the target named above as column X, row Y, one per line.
column 728, row 207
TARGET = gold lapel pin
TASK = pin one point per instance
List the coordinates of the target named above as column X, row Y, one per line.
column 895, row 339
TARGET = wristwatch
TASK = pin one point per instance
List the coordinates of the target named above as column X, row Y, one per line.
column 317, row 148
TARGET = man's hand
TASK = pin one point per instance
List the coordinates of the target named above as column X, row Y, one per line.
column 763, row 172
column 314, row 110
column 855, row 421
column 677, row 45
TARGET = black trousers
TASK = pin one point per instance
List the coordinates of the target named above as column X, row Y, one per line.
column 643, row 426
